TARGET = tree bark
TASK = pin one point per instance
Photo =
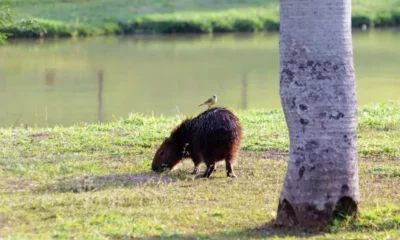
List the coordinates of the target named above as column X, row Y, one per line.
column 318, row 95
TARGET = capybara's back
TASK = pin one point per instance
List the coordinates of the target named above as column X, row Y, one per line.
column 216, row 133
column 212, row 136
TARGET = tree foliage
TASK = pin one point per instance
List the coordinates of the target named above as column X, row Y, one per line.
column 7, row 20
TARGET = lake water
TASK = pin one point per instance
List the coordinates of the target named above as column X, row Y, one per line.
column 63, row 82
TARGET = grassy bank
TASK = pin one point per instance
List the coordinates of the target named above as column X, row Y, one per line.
column 94, row 182
column 379, row 135
column 78, row 18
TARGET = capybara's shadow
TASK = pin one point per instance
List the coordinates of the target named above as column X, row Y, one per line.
column 95, row 183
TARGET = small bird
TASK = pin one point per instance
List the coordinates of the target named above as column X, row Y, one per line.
column 211, row 101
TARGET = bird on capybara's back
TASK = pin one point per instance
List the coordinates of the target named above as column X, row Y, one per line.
column 211, row 137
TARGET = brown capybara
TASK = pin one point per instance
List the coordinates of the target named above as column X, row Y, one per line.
column 212, row 136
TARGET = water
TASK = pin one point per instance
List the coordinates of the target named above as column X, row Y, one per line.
column 63, row 82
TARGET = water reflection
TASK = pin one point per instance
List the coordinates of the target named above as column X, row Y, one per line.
column 52, row 82
column 100, row 95
column 244, row 92
column 50, row 76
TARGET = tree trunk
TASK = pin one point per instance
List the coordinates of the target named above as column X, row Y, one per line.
column 318, row 95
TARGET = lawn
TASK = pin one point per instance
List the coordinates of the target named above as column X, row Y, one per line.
column 92, row 17
column 94, row 182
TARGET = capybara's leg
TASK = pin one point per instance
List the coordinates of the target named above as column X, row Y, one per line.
column 196, row 170
column 213, row 168
column 210, row 170
column 210, row 163
column 196, row 160
column 229, row 170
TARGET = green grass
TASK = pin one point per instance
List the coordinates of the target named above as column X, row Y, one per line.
column 94, row 17
column 94, row 182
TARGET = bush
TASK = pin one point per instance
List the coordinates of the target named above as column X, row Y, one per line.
column 52, row 29
column 384, row 19
column 358, row 20
column 174, row 26
column 249, row 20
column 396, row 17
column 113, row 28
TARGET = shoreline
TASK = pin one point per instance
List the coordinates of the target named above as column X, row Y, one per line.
column 231, row 21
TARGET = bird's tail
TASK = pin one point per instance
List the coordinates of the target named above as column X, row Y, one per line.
column 202, row 104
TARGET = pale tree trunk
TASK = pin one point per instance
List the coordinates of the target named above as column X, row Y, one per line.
column 318, row 94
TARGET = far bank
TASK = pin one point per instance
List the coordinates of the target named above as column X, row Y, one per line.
column 76, row 18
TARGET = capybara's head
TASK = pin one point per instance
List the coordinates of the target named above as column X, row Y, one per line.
column 166, row 157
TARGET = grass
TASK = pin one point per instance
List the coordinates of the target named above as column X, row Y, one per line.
column 94, row 182
column 94, row 17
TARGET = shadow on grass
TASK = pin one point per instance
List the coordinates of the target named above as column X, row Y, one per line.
column 382, row 219
column 95, row 183
column 269, row 231
column 266, row 231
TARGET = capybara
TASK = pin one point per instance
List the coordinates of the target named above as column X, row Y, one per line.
column 212, row 136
